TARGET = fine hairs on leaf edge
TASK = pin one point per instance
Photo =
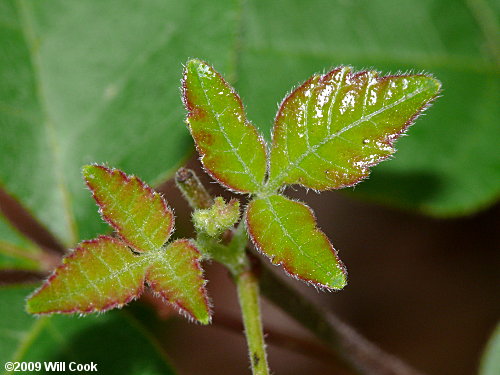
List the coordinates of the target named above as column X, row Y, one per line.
column 73, row 252
column 335, row 251
column 389, row 140
column 180, row 309
column 144, row 283
column 139, row 290
column 127, row 178
column 260, row 136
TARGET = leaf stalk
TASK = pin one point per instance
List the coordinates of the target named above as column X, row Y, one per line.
column 234, row 257
column 248, row 296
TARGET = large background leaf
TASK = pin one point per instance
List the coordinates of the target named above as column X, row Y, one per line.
column 115, row 340
column 96, row 81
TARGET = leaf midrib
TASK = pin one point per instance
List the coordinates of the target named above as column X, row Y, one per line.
column 304, row 254
column 28, row 31
column 222, row 129
column 275, row 182
column 144, row 260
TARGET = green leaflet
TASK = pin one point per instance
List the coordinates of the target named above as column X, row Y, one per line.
column 333, row 127
column 137, row 212
column 98, row 275
column 286, row 232
column 102, row 274
column 177, row 276
column 230, row 147
column 105, row 273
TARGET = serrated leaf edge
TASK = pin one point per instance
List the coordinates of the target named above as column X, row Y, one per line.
column 389, row 140
column 75, row 253
column 128, row 179
column 190, row 108
column 181, row 309
column 314, row 283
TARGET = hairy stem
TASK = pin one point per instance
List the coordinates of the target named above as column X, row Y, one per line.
column 283, row 339
column 192, row 189
column 356, row 351
column 248, row 296
column 350, row 347
column 234, row 258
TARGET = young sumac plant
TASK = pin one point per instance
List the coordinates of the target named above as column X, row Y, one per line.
column 326, row 135
column 109, row 272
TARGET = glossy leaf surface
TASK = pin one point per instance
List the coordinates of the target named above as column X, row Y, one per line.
column 117, row 341
column 97, row 276
column 331, row 129
column 176, row 275
column 286, row 232
column 231, row 148
column 135, row 210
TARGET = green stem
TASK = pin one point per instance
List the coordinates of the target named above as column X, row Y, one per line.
column 192, row 189
column 356, row 351
column 233, row 256
column 248, row 295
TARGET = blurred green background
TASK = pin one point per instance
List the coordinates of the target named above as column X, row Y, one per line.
column 98, row 81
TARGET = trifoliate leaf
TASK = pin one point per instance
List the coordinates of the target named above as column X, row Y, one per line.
column 176, row 274
column 97, row 276
column 332, row 128
column 230, row 147
column 286, row 232
column 105, row 273
column 138, row 213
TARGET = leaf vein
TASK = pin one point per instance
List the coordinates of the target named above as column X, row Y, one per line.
column 299, row 159
column 226, row 137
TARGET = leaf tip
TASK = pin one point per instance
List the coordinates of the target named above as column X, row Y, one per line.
column 196, row 63
column 205, row 319
column 433, row 85
column 30, row 306
column 35, row 302
column 90, row 172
